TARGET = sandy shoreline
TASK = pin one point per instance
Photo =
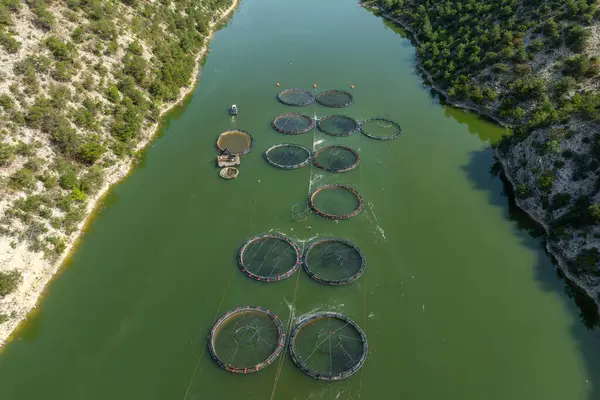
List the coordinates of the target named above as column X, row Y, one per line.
column 555, row 254
column 37, row 271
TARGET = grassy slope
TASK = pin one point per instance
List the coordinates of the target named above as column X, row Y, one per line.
column 82, row 84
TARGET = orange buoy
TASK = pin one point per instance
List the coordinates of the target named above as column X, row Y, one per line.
column 315, row 85
column 277, row 83
column 352, row 86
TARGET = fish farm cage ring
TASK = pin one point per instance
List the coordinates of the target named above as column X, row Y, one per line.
column 296, row 97
column 269, row 257
column 336, row 158
column 328, row 346
column 293, row 123
column 300, row 212
column 381, row 128
column 246, row 339
column 349, row 202
column 288, row 156
column 335, row 98
column 338, row 125
column 334, row 261
column 236, row 141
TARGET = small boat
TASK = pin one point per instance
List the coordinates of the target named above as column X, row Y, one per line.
column 229, row 173
column 233, row 110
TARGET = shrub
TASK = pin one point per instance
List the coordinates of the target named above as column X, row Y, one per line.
column 68, row 179
column 559, row 200
column 44, row 18
column 62, row 71
column 594, row 212
column 500, row 68
column 7, row 154
column 9, row 43
column 90, row 152
column 78, row 35
column 22, row 179
column 523, row 69
column 577, row 38
column 587, row 261
column 524, row 191
column 9, row 281
column 545, row 181
column 92, row 180
column 112, row 93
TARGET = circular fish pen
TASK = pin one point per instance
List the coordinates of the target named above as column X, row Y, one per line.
column 300, row 212
column 336, row 201
column 381, row 128
column 246, row 339
column 269, row 257
column 293, row 123
column 336, row 158
column 335, row 98
column 334, row 261
column 236, row 141
column 296, row 97
column 338, row 125
column 288, row 156
column 328, row 346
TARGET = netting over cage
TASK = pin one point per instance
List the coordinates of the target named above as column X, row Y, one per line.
column 336, row 158
column 296, row 97
column 335, row 98
column 381, row 128
column 334, row 261
column 338, row 125
column 288, row 156
column 328, row 346
column 236, row 141
column 336, row 201
column 269, row 257
column 246, row 339
column 293, row 123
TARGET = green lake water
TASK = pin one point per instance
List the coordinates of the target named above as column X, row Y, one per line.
column 458, row 300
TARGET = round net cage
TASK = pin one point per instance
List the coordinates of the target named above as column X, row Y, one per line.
column 338, row 125
column 235, row 141
column 246, row 339
column 296, row 97
column 336, row 158
column 300, row 212
column 336, row 201
column 335, row 98
column 269, row 257
column 288, row 156
column 328, row 346
column 334, row 261
column 293, row 123
column 381, row 128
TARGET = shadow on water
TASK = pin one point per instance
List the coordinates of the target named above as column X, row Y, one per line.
column 547, row 274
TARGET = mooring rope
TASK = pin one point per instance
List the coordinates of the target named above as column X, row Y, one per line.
column 204, row 347
column 292, row 313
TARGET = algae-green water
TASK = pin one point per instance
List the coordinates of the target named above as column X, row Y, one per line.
column 458, row 300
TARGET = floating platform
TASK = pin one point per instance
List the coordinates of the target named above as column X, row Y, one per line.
column 228, row 160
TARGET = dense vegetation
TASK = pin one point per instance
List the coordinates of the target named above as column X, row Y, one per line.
column 530, row 64
column 477, row 50
column 82, row 81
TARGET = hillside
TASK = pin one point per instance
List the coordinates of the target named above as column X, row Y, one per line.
column 82, row 86
column 532, row 65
